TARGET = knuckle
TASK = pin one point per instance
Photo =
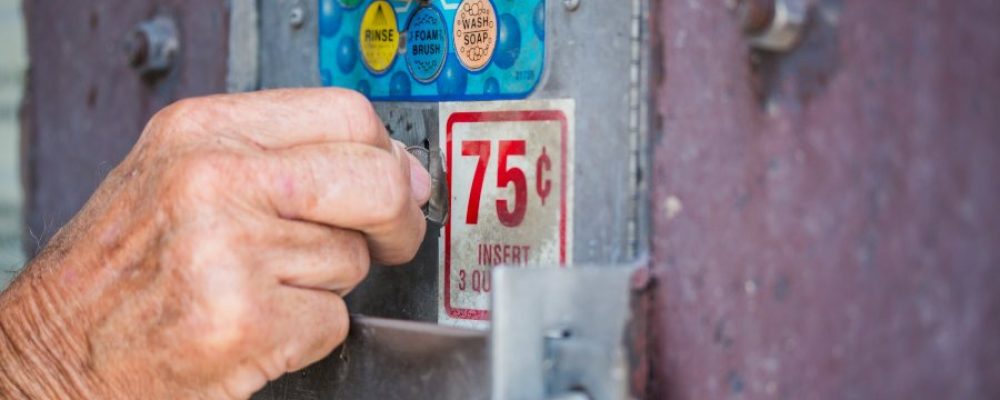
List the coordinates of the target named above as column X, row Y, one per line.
column 329, row 328
column 339, row 320
column 230, row 327
column 198, row 174
column 183, row 115
column 411, row 248
column 391, row 188
column 362, row 121
column 356, row 258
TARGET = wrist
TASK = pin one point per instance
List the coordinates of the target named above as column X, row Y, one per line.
column 38, row 356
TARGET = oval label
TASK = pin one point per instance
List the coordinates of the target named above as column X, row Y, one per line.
column 475, row 33
column 426, row 44
column 379, row 36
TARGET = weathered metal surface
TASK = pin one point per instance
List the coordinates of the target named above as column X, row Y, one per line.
column 85, row 106
column 391, row 359
column 598, row 42
column 596, row 61
column 826, row 221
column 557, row 331
column 244, row 46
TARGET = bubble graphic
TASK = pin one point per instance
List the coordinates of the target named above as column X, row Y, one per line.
column 453, row 79
column 540, row 19
column 491, row 87
column 399, row 86
column 508, row 42
column 347, row 54
column 329, row 18
column 365, row 88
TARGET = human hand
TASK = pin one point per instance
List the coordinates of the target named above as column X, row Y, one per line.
column 214, row 257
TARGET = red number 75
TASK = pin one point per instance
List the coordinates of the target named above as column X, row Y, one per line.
column 506, row 176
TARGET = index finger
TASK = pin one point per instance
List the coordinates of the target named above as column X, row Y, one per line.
column 285, row 118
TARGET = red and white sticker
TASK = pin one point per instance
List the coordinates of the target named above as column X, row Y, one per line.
column 509, row 167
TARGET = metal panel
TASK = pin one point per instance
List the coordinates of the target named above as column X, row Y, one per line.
column 391, row 359
column 596, row 61
column 85, row 106
column 599, row 43
column 825, row 219
column 288, row 51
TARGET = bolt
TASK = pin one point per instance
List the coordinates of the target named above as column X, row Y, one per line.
column 152, row 46
column 136, row 48
column 297, row 15
column 773, row 25
column 756, row 15
column 571, row 5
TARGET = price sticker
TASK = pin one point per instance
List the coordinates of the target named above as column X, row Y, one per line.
column 509, row 169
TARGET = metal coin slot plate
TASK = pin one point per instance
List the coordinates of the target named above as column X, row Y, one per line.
column 608, row 143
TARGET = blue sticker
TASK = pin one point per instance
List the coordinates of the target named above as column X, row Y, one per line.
column 426, row 44
column 326, row 76
column 427, row 65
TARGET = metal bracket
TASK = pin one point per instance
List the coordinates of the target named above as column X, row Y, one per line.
column 560, row 333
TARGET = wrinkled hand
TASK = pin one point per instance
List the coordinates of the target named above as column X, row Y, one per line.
column 214, row 257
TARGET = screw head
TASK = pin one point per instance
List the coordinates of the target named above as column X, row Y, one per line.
column 297, row 16
column 571, row 5
column 136, row 48
column 755, row 15
column 151, row 48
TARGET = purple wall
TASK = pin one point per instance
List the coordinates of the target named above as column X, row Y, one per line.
column 85, row 105
column 827, row 221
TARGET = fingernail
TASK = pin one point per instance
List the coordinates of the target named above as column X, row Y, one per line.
column 420, row 181
column 398, row 147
